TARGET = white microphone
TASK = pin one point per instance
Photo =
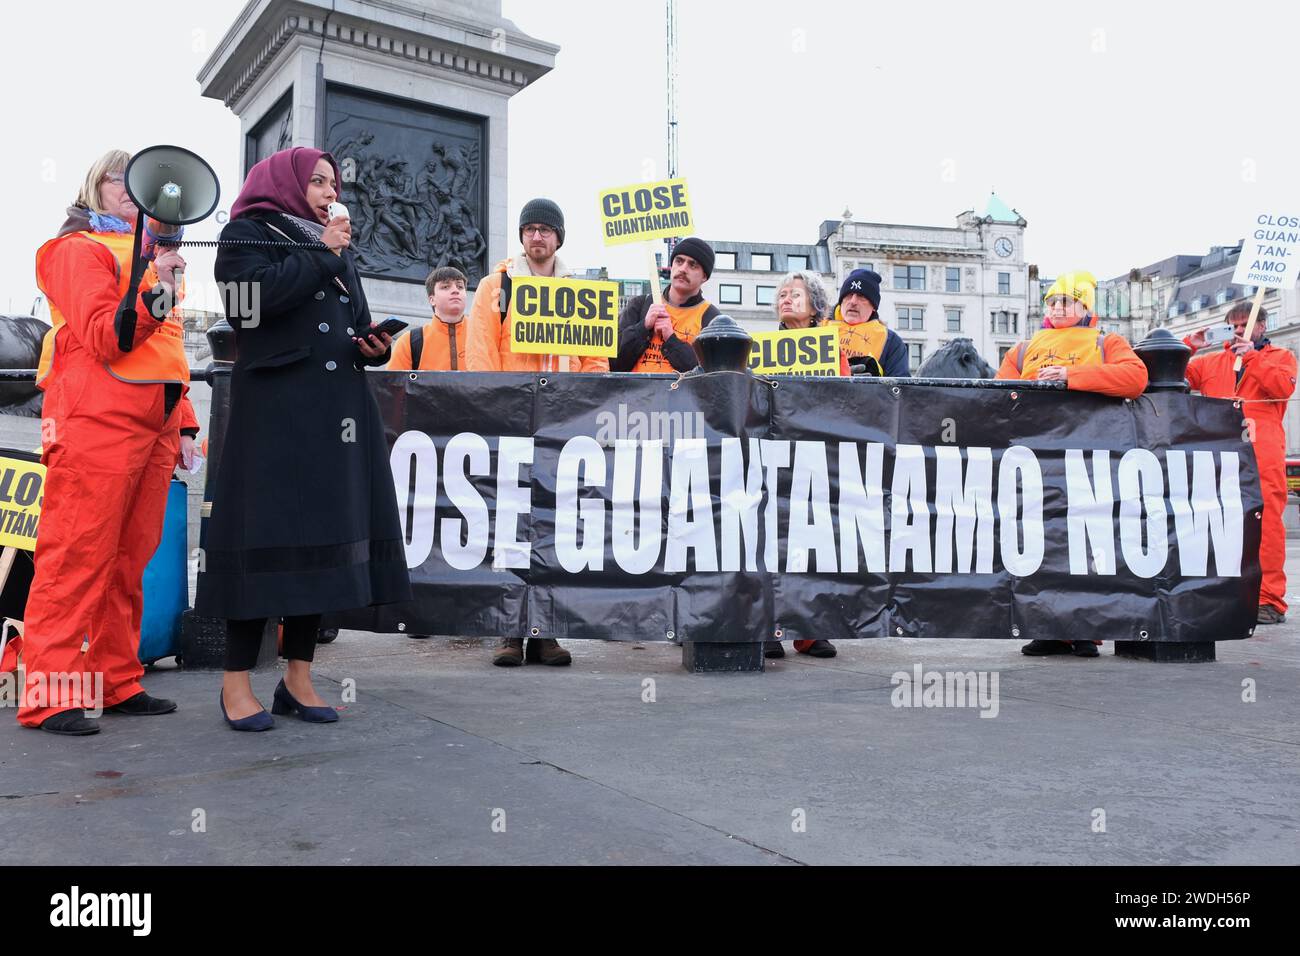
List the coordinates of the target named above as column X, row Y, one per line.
column 336, row 210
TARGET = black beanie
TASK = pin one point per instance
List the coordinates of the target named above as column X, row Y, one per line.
column 697, row 249
column 864, row 282
column 544, row 212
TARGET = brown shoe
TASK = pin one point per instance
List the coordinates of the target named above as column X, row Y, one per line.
column 547, row 650
column 510, row 653
column 1268, row 614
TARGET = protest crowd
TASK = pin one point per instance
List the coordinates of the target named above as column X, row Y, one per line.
column 287, row 491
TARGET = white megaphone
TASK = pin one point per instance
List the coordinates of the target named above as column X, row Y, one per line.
column 172, row 187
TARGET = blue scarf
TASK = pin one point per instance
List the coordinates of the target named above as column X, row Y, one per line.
column 103, row 222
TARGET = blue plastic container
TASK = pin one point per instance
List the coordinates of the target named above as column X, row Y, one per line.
column 166, row 583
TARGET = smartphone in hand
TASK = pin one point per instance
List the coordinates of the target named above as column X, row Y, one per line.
column 391, row 325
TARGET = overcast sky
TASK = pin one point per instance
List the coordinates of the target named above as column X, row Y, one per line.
column 1123, row 132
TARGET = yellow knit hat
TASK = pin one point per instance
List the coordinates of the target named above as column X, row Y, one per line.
column 1080, row 286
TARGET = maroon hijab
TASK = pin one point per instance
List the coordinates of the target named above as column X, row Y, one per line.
column 279, row 184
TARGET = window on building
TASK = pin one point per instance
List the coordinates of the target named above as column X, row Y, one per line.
column 760, row 261
column 909, row 277
column 910, row 318
column 729, row 294
column 1002, row 353
column 952, row 279
column 953, row 319
column 724, row 260
column 915, row 355
column 1004, row 283
column 796, row 263
column 1271, row 322
column 1005, row 323
column 764, row 294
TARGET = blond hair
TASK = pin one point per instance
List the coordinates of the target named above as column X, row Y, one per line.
column 114, row 161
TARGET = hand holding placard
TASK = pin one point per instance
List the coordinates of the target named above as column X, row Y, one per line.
column 1268, row 260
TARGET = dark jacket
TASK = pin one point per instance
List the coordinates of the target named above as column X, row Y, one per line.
column 634, row 337
column 893, row 357
column 304, row 515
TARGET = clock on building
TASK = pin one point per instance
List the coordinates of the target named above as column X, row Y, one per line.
column 1003, row 247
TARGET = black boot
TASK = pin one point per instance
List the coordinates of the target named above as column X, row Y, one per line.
column 71, row 723
column 142, row 705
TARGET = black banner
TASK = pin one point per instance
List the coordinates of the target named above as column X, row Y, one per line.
column 730, row 508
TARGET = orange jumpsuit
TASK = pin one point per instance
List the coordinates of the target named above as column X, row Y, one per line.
column 109, row 452
column 1094, row 362
column 1111, row 369
column 442, row 348
column 489, row 334
column 1267, row 380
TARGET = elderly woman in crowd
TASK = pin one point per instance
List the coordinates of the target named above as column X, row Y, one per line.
column 802, row 303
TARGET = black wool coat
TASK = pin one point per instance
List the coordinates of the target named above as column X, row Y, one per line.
column 304, row 515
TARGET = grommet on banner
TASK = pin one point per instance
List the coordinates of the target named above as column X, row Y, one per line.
column 401, row 627
column 898, row 630
column 896, row 390
column 534, row 631
column 777, row 633
column 541, row 381
column 1014, row 396
column 1015, row 632
column 413, row 377
column 1143, row 635
column 671, row 635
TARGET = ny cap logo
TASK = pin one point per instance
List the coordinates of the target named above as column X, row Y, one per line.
column 856, row 284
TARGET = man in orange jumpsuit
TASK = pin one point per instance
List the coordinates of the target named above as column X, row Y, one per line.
column 541, row 231
column 1072, row 350
column 111, row 433
column 1265, row 382
column 437, row 346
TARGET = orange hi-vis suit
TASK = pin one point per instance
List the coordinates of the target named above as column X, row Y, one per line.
column 442, row 348
column 1094, row 361
column 489, row 333
column 110, row 447
column 1267, row 380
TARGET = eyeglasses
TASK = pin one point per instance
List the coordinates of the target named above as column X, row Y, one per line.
column 544, row 232
column 116, row 179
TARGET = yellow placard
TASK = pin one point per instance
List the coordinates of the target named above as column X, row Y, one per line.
column 814, row 351
column 645, row 211
column 563, row 316
column 22, row 490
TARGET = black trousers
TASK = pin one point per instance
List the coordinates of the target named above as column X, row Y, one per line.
column 244, row 640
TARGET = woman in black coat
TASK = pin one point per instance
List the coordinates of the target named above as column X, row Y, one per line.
column 304, row 516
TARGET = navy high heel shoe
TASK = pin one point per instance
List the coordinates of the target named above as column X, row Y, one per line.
column 284, row 703
column 259, row 721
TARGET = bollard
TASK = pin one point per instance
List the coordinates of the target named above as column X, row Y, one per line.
column 203, row 639
column 1166, row 360
column 723, row 346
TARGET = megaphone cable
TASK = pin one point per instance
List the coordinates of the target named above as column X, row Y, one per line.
column 213, row 243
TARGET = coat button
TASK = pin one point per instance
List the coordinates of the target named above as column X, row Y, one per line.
column 324, row 326
column 331, row 366
column 320, row 296
column 344, row 299
column 351, row 331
